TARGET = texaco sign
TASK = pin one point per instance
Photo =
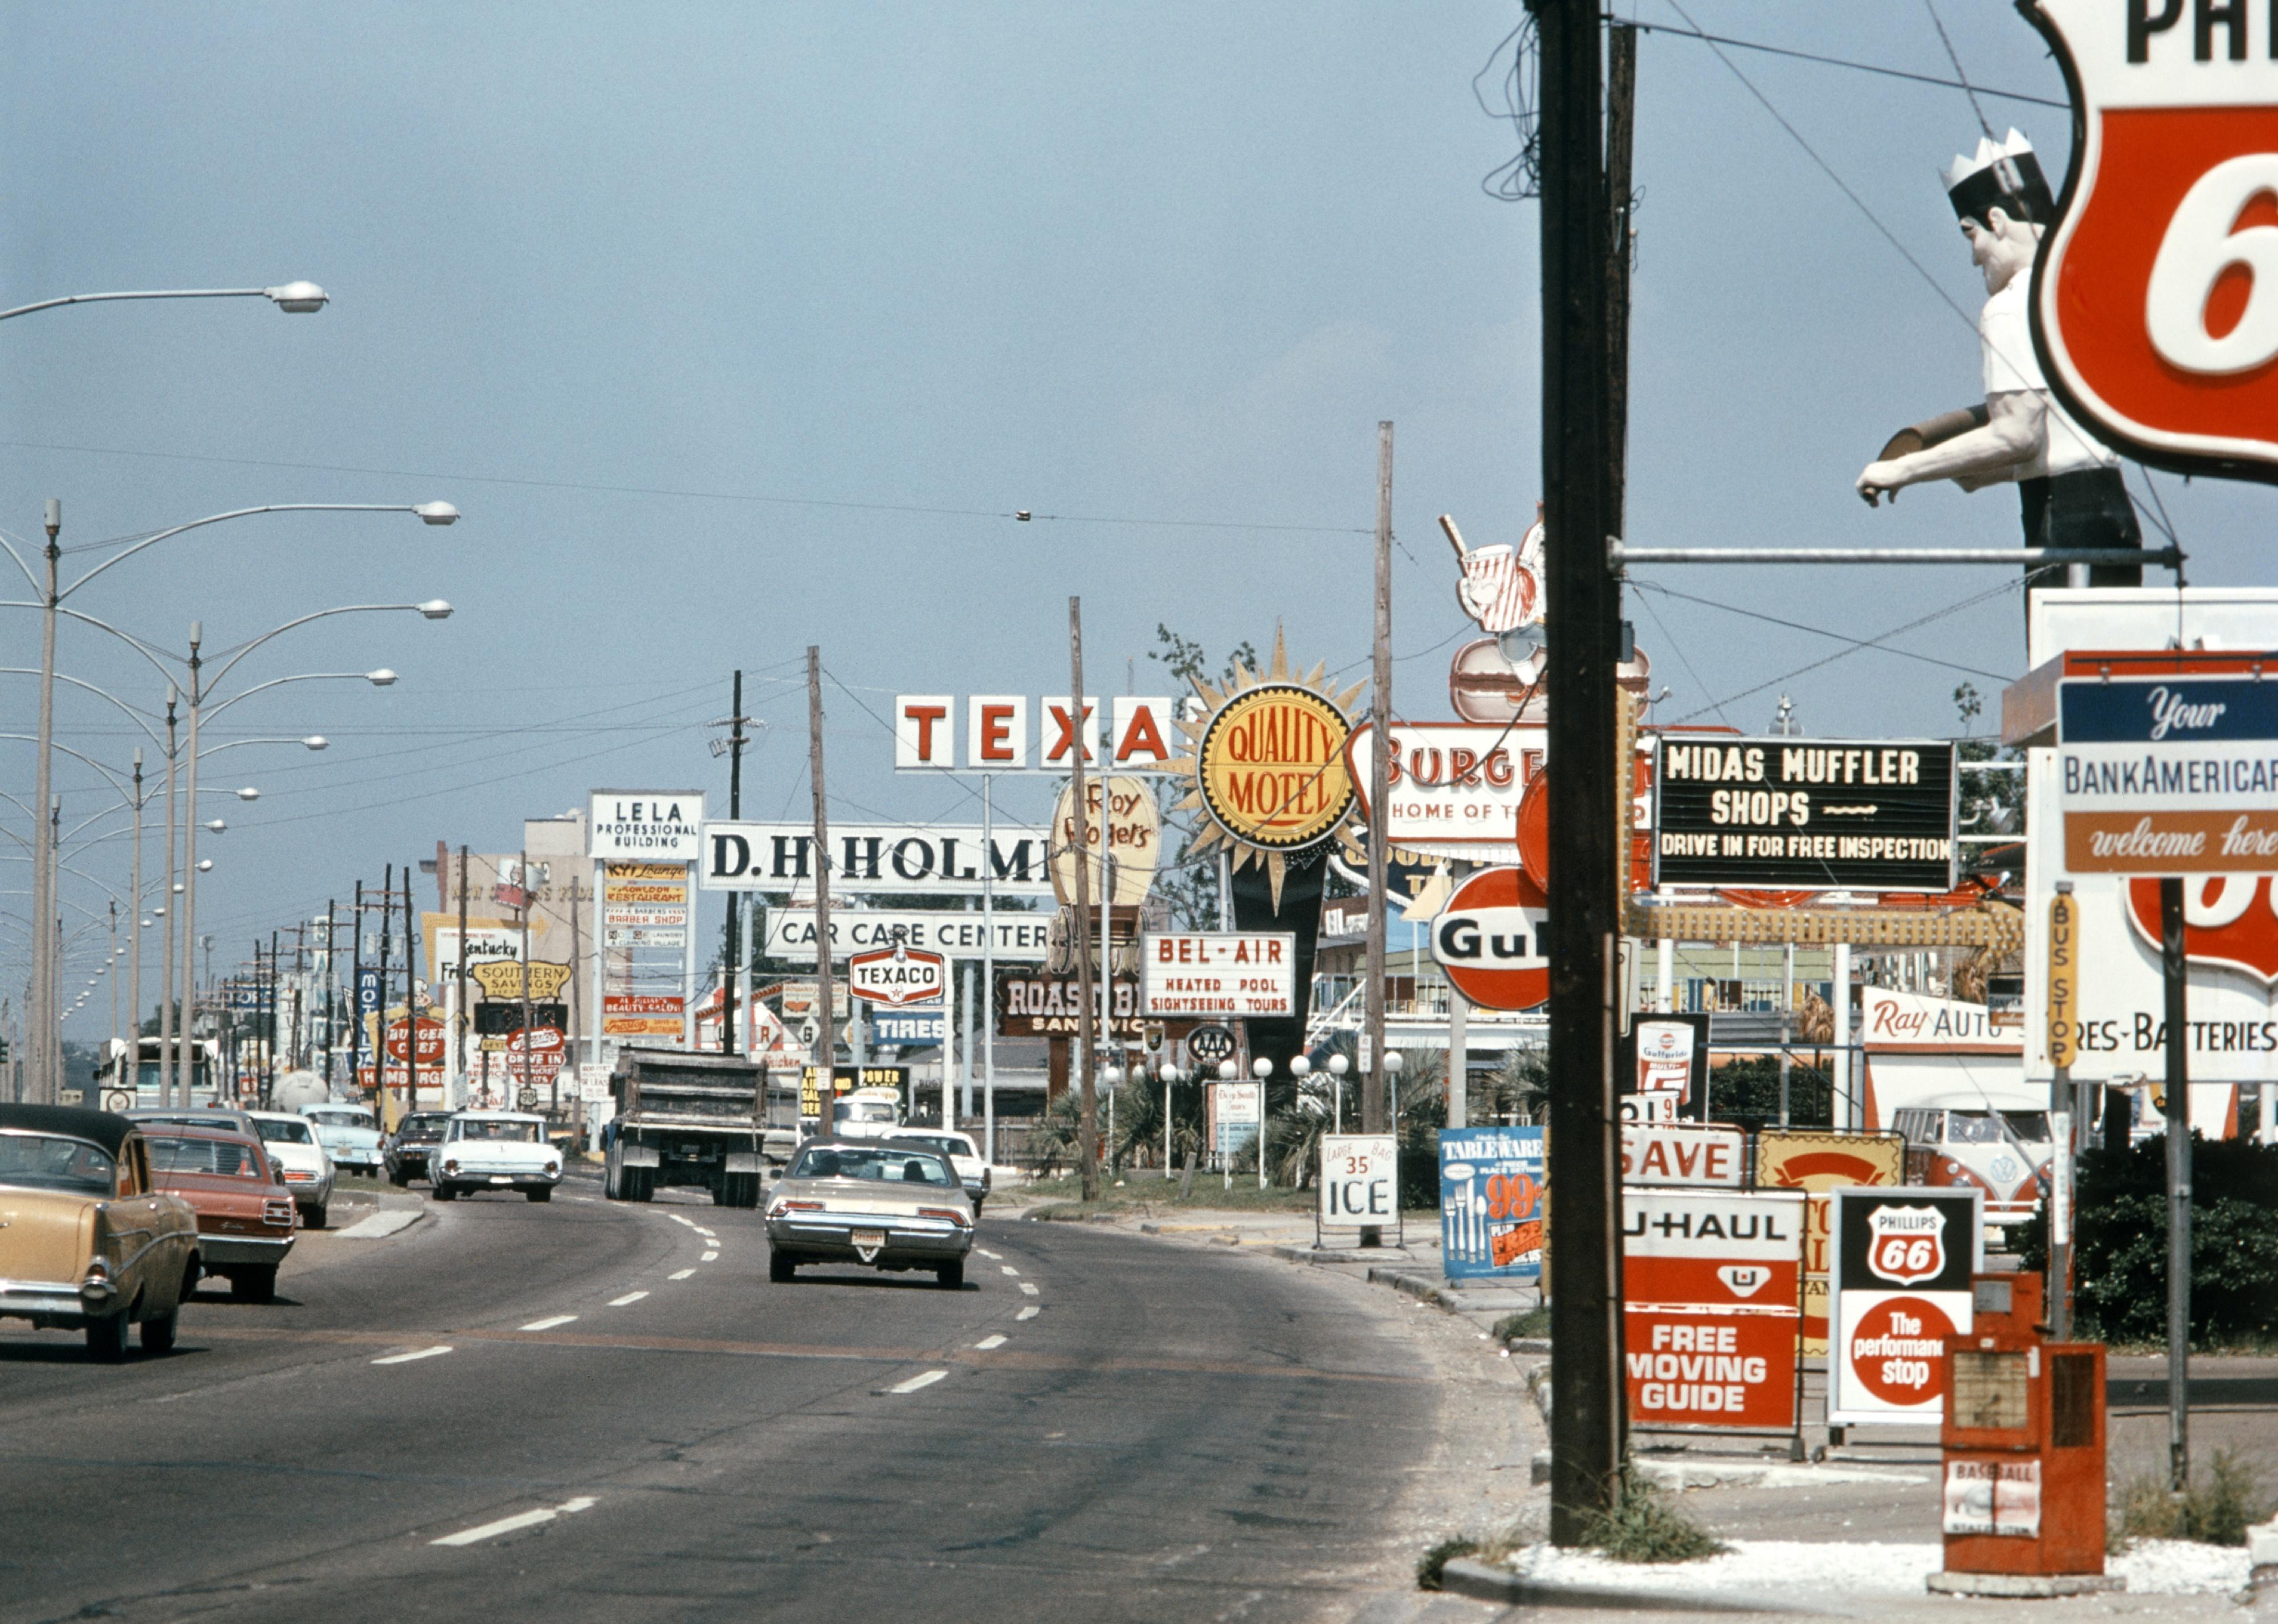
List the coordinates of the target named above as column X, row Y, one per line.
column 2155, row 303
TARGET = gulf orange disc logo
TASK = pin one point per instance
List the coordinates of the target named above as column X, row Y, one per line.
column 1488, row 938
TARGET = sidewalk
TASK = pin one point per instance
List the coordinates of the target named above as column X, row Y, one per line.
column 1851, row 1535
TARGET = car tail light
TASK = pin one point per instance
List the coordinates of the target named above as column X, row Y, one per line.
column 277, row 1213
column 293, row 1174
column 451, row 1164
column 780, row 1208
column 949, row 1214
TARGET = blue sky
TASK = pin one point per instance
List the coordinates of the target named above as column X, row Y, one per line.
column 737, row 328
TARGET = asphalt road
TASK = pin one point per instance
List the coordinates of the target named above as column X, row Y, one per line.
column 1170, row 1434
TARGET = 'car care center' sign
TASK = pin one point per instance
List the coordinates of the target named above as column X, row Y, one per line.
column 1710, row 1306
column 1016, row 938
column 1811, row 814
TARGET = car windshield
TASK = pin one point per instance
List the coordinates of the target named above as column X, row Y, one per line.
column 422, row 1124
column 340, row 1119
column 47, row 1161
column 229, row 1158
column 862, row 1110
column 2031, row 1126
column 273, row 1133
column 940, row 1142
column 515, row 1132
column 1985, row 1128
column 884, row 1164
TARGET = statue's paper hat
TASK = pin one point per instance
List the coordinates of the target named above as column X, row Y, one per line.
column 2004, row 173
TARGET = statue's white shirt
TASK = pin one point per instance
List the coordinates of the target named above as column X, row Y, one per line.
column 2004, row 333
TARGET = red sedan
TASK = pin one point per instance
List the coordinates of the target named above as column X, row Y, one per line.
column 246, row 1217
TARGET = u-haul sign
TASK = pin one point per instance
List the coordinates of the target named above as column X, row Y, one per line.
column 1009, row 733
column 1711, row 1284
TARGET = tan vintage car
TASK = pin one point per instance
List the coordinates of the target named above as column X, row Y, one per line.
column 86, row 1241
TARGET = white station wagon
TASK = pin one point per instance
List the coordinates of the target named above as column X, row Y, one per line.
column 494, row 1150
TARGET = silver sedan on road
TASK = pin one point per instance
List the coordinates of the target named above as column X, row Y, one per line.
column 881, row 1205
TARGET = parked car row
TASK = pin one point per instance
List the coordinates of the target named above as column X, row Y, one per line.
column 110, row 1223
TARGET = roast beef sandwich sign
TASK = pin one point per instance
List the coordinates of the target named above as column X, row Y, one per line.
column 2155, row 299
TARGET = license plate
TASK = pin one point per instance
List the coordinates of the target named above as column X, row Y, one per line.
column 500, row 1178
column 869, row 1240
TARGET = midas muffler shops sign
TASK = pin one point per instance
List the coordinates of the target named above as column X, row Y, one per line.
column 1805, row 814
column 1711, row 1306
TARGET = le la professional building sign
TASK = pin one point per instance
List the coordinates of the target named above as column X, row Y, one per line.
column 1808, row 814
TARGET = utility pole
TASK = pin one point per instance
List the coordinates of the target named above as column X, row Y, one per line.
column 410, row 1000
column 520, row 1101
column 459, row 971
column 826, row 1041
column 1087, row 1138
column 1583, row 606
column 379, row 1036
column 1379, row 776
column 269, row 1095
column 134, row 942
column 332, row 987
column 43, row 1028
column 2179, row 1184
column 164, row 915
column 1621, row 129
column 735, row 914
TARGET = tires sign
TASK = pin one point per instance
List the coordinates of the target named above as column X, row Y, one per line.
column 2155, row 297
column 1900, row 1295
column 1489, row 940
column 1710, row 1306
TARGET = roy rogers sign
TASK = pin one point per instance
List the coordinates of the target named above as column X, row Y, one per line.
column 944, row 859
column 2155, row 301
column 1810, row 814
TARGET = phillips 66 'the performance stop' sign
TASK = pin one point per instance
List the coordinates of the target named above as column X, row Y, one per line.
column 2156, row 298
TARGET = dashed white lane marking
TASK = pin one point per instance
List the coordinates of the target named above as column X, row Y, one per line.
column 513, row 1524
column 684, row 1222
column 709, row 1257
column 1008, row 1269
column 926, row 1380
column 1029, row 1312
column 586, row 1199
column 986, row 1343
column 1027, row 1289
column 700, row 1229
column 680, row 1274
column 626, row 1301
column 405, row 1359
column 994, row 1257
column 550, row 1321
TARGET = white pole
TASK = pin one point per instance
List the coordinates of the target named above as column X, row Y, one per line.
column 600, row 960
column 1664, row 997
column 687, row 967
column 948, row 1043
column 988, row 973
column 1847, row 1112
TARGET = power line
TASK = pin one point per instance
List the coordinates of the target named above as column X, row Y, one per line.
column 1020, row 515
column 1821, row 631
column 1838, row 62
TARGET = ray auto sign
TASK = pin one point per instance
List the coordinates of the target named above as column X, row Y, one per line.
column 944, row 859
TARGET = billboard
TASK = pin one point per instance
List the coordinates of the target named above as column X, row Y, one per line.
column 1223, row 974
column 1018, row 938
column 661, row 825
column 1805, row 814
column 944, row 859
column 1709, row 1306
column 1493, row 1214
column 1900, row 1295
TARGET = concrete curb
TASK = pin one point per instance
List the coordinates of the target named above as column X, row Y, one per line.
column 1338, row 1255
column 1483, row 1581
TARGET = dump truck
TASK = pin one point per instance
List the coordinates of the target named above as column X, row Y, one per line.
column 689, row 1120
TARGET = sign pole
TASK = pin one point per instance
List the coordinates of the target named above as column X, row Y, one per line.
column 523, row 875
column 2179, row 1185
column 735, row 914
column 989, row 970
column 1582, row 601
column 2063, row 983
column 380, row 1011
column 826, row 1041
column 1087, row 1139
column 1379, row 791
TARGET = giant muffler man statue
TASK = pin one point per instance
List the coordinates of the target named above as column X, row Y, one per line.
column 2068, row 485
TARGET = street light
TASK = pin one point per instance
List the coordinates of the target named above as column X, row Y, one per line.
column 300, row 298
column 293, row 298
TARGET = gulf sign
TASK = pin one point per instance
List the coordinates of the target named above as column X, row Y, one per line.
column 1141, row 735
column 1710, row 1285
column 2155, row 299
column 1489, row 940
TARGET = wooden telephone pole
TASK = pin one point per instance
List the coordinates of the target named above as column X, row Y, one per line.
column 826, row 1042
column 1087, row 1139
column 1583, row 608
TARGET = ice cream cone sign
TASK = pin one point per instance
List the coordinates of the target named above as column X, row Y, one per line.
column 1501, row 586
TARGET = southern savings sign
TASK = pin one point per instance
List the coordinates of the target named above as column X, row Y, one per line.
column 1709, row 1283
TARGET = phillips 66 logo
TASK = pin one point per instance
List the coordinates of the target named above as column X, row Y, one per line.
column 2155, row 304
column 1906, row 1244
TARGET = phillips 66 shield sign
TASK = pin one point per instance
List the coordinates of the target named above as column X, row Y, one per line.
column 1903, row 1259
column 2155, row 304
